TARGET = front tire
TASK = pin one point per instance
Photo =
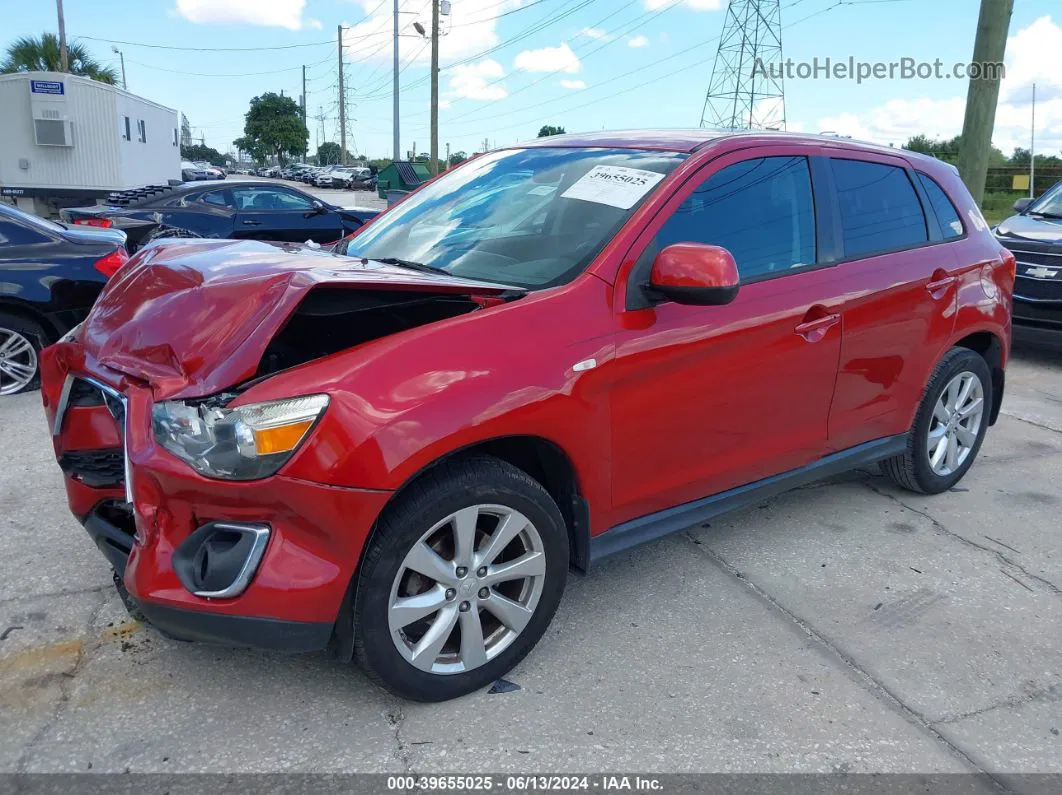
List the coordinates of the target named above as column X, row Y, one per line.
column 949, row 427
column 460, row 580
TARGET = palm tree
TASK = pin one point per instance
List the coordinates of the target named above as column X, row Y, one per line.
column 29, row 54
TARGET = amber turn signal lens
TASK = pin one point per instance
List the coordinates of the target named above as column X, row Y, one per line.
column 280, row 439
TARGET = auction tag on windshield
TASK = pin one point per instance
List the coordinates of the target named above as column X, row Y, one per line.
column 616, row 186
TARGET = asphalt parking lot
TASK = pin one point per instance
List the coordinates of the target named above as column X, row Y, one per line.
column 843, row 627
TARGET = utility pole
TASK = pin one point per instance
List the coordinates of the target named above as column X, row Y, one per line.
column 1032, row 149
column 993, row 22
column 342, row 105
column 64, row 63
column 394, row 90
column 305, row 149
column 121, row 55
column 446, row 165
column 434, row 87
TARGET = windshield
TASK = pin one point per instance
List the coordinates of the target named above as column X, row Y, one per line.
column 1049, row 204
column 533, row 218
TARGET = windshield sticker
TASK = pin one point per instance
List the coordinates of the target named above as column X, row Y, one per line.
column 616, row 186
column 542, row 190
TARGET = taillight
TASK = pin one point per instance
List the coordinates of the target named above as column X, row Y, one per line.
column 104, row 223
column 110, row 264
column 1010, row 264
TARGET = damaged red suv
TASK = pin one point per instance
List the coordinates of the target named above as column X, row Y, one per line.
column 550, row 354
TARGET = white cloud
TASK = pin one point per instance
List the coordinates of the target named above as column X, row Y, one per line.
column 475, row 31
column 548, row 59
column 696, row 5
column 637, row 42
column 313, row 23
column 594, row 33
column 573, row 85
column 1031, row 57
column 477, row 81
column 266, row 13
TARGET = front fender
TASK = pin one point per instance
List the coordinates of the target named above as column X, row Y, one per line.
column 401, row 403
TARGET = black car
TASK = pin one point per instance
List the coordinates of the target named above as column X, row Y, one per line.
column 50, row 276
column 256, row 210
column 1034, row 235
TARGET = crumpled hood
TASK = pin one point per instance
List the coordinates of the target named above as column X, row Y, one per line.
column 194, row 317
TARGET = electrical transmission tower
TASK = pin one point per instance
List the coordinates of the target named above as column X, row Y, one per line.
column 744, row 93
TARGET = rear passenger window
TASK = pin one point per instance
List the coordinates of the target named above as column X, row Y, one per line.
column 18, row 235
column 760, row 210
column 880, row 210
column 947, row 215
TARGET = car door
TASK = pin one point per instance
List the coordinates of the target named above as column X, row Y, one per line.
column 709, row 398
column 902, row 291
column 207, row 212
column 278, row 213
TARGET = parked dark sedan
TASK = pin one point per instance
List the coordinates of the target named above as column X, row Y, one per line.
column 50, row 276
column 254, row 210
column 1035, row 237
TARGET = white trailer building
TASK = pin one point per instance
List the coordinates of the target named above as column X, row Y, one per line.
column 67, row 140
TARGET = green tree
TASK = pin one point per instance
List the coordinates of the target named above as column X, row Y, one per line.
column 30, row 54
column 548, row 130
column 457, row 157
column 201, row 152
column 328, row 153
column 273, row 125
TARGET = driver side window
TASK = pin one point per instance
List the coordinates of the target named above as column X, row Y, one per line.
column 270, row 199
column 761, row 210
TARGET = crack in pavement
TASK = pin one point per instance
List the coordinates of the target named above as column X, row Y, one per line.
column 57, row 594
column 402, row 753
column 67, row 681
column 876, row 687
column 940, row 527
column 1034, row 423
column 1031, row 696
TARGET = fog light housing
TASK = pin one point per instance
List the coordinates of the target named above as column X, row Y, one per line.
column 219, row 559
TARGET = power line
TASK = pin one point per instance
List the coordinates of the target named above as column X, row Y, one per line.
column 223, row 74
column 207, row 49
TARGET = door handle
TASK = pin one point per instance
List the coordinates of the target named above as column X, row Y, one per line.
column 252, row 223
column 939, row 282
column 815, row 330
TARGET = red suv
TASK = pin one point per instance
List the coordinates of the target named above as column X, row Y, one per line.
column 550, row 354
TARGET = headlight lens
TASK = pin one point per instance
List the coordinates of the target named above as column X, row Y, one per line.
column 242, row 443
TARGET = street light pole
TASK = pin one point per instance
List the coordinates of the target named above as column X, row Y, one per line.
column 64, row 63
column 394, row 111
column 434, row 87
column 122, row 56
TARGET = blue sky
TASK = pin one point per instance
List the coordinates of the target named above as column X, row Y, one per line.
column 509, row 66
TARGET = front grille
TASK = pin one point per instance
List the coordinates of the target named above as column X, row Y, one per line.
column 95, row 468
column 1024, row 256
column 1038, row 289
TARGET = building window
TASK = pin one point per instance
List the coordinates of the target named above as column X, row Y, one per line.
column 175, row 136
column 125, row 129
column 141, row 131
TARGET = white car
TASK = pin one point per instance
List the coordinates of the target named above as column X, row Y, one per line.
column 336, row 177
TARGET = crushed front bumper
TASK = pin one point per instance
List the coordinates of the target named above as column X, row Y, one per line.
column 140, row 514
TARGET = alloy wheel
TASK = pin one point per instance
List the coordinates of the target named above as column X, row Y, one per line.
column 956, row 421
column 18, row 362
column 466, row 589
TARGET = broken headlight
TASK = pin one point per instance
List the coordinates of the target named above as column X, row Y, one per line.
column 242, row 443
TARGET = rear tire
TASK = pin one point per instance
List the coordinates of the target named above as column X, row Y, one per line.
column 21, row 341
column 504, row 615
column 949, row 427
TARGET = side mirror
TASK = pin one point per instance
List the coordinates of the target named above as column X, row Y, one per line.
column 1022, row 204
column 318, row 208
column 695, row 273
